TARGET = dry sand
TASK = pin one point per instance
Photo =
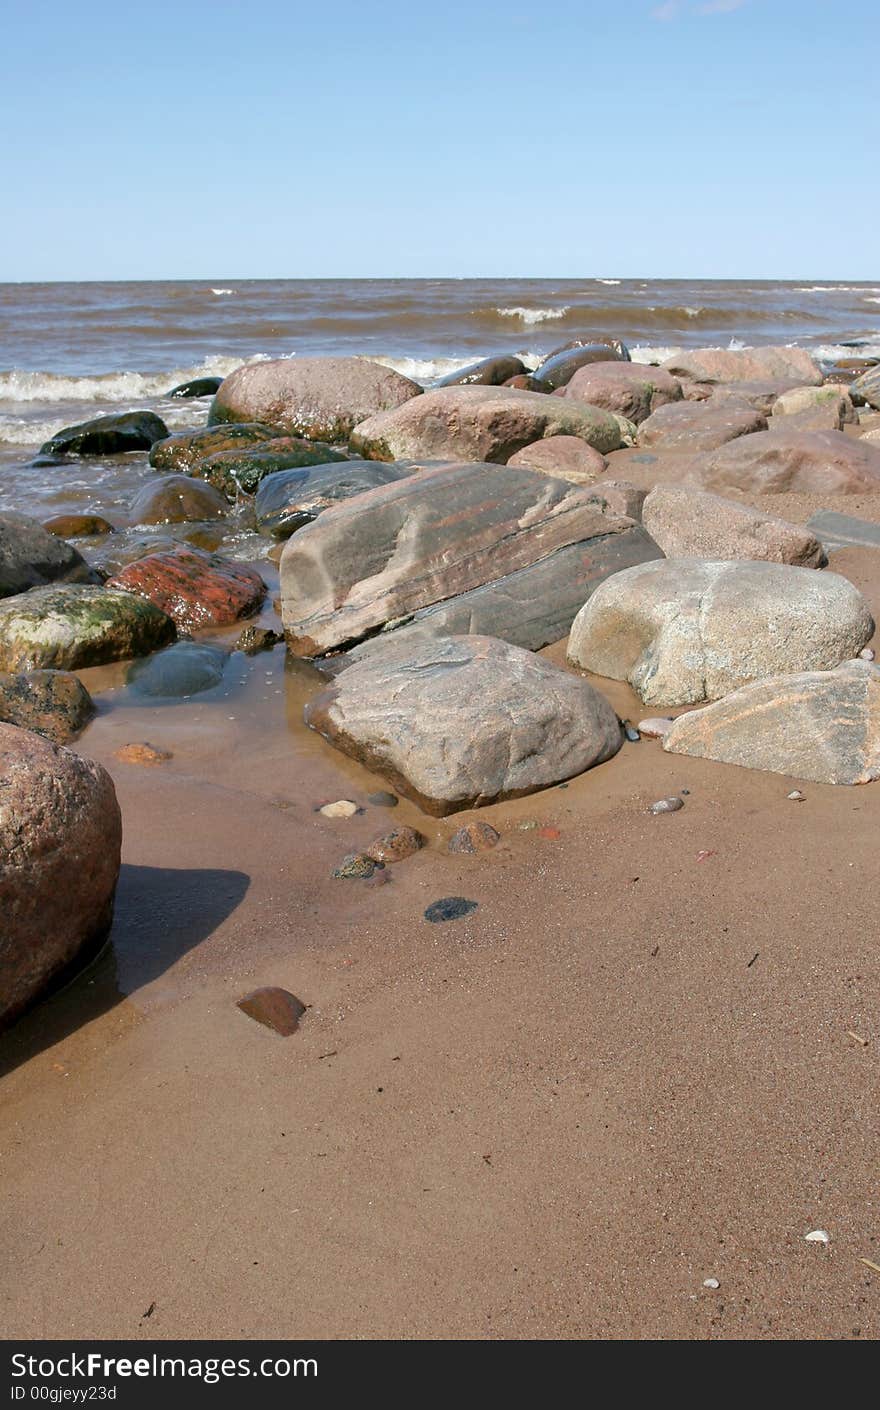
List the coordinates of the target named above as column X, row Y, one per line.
column 629, row 1070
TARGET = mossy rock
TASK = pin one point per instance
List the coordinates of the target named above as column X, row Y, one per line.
column 69, row 627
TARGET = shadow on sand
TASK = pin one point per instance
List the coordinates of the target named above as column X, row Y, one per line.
column 160, row 914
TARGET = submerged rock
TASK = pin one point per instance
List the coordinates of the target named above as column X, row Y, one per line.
column 689, row 523
column 686, row 630
column 275, row 1008
column 462, row 721
column 254, row 639
column 235, row 472
column 449, row 908
column 818, row 725
column 185, row 450
column 73, row 526
column 108, row 435
column 395, row 846
column 54, row 704
column 196, row 589
column 60, row 842
column 176, row 499
column 481, row 424
column 144, row 753
column 321, row 398
column 473, row 837
column 31, row 557
column 184, row 669
column 67, row 627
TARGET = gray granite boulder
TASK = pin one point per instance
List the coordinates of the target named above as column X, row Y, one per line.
column 457, row 722
column 321, row 398
column 686, row 630
column 481, row 423
column 823, row 726
column 30, row 556
column 427, row 539
column 745, row 365
column 60, row 842
column 689, row 523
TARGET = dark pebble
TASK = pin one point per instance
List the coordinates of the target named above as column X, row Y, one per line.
column 274, row 1008
column 630, row 731
column 450, row 908
column 383, row 800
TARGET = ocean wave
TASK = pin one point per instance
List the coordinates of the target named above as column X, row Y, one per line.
column 19, row 386
column 607, row 281
column 531, row 316
column 834, row 288
column 222, row 291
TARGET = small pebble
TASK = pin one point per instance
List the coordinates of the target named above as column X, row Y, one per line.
column 666, row 805
column 630, row 731
column 712, row 1283
column 796, row 796
column 449, row 908
column 549, row 832
column 474, row 837
column 143, row 754
column 274, row 1008
column 356, row 865
column 867, row 653
column 254, row 639
column 344, row 808
column 527, row 825
column 383, row 800
column 395, row 846
column 655, row 727
column 818, row 1236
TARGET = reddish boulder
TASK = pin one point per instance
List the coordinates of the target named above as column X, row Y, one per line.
column 322, row 398
column 693, row 426
column 566, row 457
column 627, row 388
column 195, row 589
column 780, row 461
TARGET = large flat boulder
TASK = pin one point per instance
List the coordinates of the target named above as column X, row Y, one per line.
column 60, row 842
column 630, row 389
column 291, row 498
column 30, row 556
column 823, row 726
column 744, row 365
column 780, row 461
column 423, row 540
column 195, row 589
column 481, row 423
column 686, row 630
column 67, row 626
column 699, row 425
column 321, row 398
column 457, row 722
column 689, row 523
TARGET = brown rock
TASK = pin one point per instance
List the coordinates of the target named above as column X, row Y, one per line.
column 473, row 837
column 77, row 526
column 142, row 754
column 195, row 589
column 780, row 461
column 177, row 499
column 628, row 388
column 745, row 365
column 693, row 426
column 322, row 398
column 621, row 497
column 273, row 1007
column 565, row 457
column 395, row 846
column 186, row 450
column 54, row 704
column 560, row 365
column 489, row 372
column 60, row 841
column 688, row 523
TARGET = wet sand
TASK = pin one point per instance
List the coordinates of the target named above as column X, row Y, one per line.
column 629, row 1070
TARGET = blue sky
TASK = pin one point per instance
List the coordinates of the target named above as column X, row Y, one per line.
column 665, row 138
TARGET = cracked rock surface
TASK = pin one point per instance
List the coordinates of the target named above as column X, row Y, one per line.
column 687, row 630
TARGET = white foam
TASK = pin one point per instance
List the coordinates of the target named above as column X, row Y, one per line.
column 607, row 281
column 530, row 316
column 833, row 289
column 48, row 387
column 222, row 291
column 648, row 353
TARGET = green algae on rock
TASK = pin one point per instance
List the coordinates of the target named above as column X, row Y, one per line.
column 69, row 626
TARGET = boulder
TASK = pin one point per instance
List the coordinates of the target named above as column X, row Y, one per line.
column 424, row 540
column 54, row 704
column 176, row 499
column 196, row 589
column 108, row 435
column 198, row 387
column 184, row 669
column 699, row 425
column 31, row 557
column 689, row 523
column 322, row 398
column 565, row 457
column 627, row 388
column 185, row 450
column 844, row 530
column 67, row 627
column 866, row 388
column 761, row 394
column 833, row 400
column 73, row 526
column 561, row 364
column 622, row 497
column 481, row 423
column 235, row 472
column 291, row 498
column 489, row 372
column 686, row 630
column 823, row 726
column 458, row 722
column 744, row 365
column 60, row 842
column 781, row 461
